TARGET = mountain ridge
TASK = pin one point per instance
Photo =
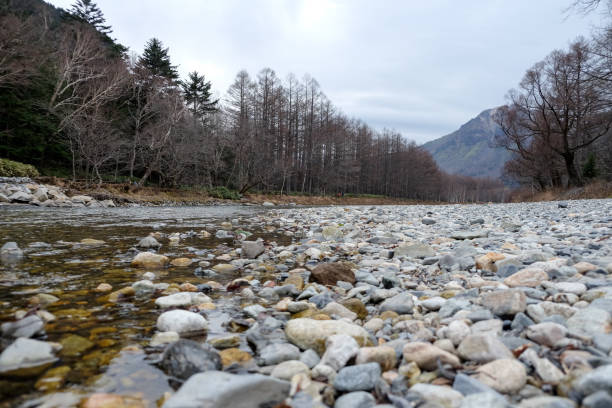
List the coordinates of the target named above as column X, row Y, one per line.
column 470, row 150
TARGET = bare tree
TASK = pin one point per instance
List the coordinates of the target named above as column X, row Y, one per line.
column 559, row 105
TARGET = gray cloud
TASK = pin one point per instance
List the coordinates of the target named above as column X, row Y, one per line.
column 423, row 68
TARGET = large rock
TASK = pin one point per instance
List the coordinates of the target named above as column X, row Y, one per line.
column 217, row 389
column 483, row 348
column 312, row 334
column 26, row 357
column 528, row 277
column 362, row 377
column 400, row 304
column 181, row 299
column 590, row 321
column 599, row 379
column 504, row 375
column 426, row 355
column 184, row 358
column 183, row 322
column 26, row 327
column 252, row 249
column 505, row 302
column 150, row 260
column 331, row 273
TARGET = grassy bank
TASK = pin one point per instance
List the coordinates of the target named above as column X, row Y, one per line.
column 124, row 193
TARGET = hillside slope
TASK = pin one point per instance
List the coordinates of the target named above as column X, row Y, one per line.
column 469, row 150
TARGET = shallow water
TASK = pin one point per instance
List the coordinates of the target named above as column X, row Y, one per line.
column 55, row 263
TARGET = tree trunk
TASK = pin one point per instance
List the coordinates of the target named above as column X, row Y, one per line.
column 574, row 177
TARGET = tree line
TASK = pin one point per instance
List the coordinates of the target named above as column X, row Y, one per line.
column 73, row 99
column 558, row 121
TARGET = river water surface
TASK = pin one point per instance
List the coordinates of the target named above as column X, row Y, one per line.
column 117, row 358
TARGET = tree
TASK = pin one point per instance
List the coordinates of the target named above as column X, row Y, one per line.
column 89, row 12
column 558, row 107
column 196, row 91
column 157, row 60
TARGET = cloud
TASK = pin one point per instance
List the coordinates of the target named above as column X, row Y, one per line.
column 423, row 68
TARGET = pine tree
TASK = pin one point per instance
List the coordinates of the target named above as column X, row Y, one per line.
column 198, row 96
column 88, row 11
column 155, row 58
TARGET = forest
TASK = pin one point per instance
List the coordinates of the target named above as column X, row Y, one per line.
column 75, row 102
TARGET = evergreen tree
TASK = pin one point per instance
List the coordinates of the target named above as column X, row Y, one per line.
column 156, row 59
column 198, row 96
column 589, row 170
column 88, row 11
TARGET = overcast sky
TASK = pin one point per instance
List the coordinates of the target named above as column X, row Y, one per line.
column 420, row 67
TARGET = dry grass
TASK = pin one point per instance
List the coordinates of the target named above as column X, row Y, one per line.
column 594, row 190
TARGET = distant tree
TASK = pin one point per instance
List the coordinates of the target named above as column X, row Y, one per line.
column 198, row 96
column 88, row 11
column 157, row 60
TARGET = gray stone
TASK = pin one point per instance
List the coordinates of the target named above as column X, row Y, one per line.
column 181, row 299
column 600, row 399
column 467, row 385
column 261, row 334
column 362, row 377
column 149, row 242
column 485, row 399
column 505, row 302
column 590, row 321
column 547, row 333
column 217, row 389
column 27, row 357
column 26, row 327
column 184, row 358
column 483, row 348
column 339, row 349
column 545, row 401
column 600, row 379
column 310, row 358
column 357, row 399
column 252, row 249
column 278, row 352
column 400, row 304
column 182, row 322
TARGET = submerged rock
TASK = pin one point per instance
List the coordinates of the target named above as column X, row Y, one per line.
column 27, row 357
column 184, row 358
column 216, row 389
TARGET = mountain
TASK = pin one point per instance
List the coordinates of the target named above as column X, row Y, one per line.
column 469, row 150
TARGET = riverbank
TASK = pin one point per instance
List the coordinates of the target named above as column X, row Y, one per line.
column 60, row 192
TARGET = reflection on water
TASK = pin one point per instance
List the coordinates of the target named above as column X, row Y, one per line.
column 55, row 263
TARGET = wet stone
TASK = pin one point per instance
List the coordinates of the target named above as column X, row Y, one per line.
column 184, row 358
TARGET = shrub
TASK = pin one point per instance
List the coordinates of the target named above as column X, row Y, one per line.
column 9, row 168
column 224, row 193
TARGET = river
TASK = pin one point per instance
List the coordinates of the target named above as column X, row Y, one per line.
column 116, row 358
